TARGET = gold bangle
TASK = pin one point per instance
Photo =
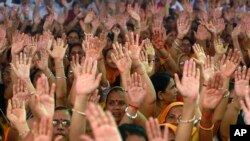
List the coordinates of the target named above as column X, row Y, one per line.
column 206, row 129
column 24, row 133
column 61, row 77
column 187, row 121
column 79, row 112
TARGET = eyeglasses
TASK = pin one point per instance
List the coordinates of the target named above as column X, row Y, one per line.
column 64, row 123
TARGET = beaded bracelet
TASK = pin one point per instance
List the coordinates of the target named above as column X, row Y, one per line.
column 79, row 112
column 130, row 116
column 187, row 121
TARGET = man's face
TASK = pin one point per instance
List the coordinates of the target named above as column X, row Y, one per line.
column 61, row 124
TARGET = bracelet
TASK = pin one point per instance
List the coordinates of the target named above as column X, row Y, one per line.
column 61, row 77
column 187, row 121
column 206, row 129
column 79, row 112
column 135, row 107
column 130, row 116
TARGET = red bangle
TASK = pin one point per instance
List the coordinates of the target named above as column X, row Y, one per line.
column 135, row 107
column 206, row 116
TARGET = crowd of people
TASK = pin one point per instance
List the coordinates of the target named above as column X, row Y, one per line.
column 132, row 70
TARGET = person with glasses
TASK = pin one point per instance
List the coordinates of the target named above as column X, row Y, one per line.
column 61, row 122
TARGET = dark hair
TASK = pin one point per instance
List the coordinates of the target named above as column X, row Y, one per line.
column 74, row 31
column 131, row 129
column 115, row 89
column 71, row 46
column 160, row 81
column 62, row 108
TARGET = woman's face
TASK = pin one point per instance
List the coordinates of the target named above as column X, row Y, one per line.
column 109, row 61
column 76, row 50
column 174, row 115
column 73, row 38
column 76, row 9
column 186, row 46
column 171, row 92
column 116, row 105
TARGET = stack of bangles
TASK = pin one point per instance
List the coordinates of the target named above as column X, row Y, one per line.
column 128, row 114
column 206, row 117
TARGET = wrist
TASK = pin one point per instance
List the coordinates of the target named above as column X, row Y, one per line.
column 180, row 36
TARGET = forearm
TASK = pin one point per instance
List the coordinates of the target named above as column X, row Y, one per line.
column 206, row 126
column 78, row 121
column 71, row 24
column 50, row 76
column 184, row 130
column 230, row 118
column 149, row 104
column 61, row 85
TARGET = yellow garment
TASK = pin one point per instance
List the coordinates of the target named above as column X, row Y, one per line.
column 173, row 128
column 162, row 119
column 164, row 112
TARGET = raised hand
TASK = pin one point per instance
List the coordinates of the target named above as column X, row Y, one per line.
column 136, row 90
column 20, row 91
column 245, row 105
column 31, row 46
column 42, row 103
column 133, row 13
column 158, row 38
column 102, row 124
column 190, row 82
column 149, row 48
column 215, row 26
column 144, row 59
column 89, row 17
column 93, row 47
column 121, row 58
column 213, row 92
column 95, row 97
column 229, row 63
column 133, row 45
column 208, row 69
column 58, row 50
column 75, row 65
column 87, row 78
column 16, row 112
column 44, row 130
column 200, row 54
column 43, row 62
column 154, row 132
column 219, row 46
column 22, row 66
column 3, row 40
column 183, row 25
column 17, row 43
column 242, row 76
column 202, row 33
